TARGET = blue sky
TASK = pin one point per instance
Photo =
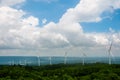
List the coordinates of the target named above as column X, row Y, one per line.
column 113, row 21
column 53, row 11
column 51, row 27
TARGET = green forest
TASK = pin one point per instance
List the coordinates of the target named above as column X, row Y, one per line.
column 97, row 71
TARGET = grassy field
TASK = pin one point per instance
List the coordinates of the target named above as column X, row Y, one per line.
column 97, row 71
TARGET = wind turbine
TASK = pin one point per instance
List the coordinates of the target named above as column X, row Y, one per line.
column 83, row 57
column 19, row 62
column 65, row 58
column 110, row 53
column 10, row 63
column 38, row 60
column 50, row 59
column 25, row 62
column 13, row 62
column 111, row 43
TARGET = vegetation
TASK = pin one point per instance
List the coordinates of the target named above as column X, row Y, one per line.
column 96, row 71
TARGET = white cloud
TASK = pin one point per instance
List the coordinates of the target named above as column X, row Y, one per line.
column 20, row 32
column 31, row 21
column 10, row 2
column 89, row 10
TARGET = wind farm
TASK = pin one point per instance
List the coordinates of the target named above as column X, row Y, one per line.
column 27, row 30
column 59, row 39
column 49, row 60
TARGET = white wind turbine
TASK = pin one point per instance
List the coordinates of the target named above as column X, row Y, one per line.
column 10, row 62
column 65, row 58
column 50, row 60
column 38, row 57
column 111, row 44
column 13, row 63
column 83, row 57
column 25, row 62
column 110, row 53
column 19, row 62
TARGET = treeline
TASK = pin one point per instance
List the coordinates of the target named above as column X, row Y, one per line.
column 96, row 71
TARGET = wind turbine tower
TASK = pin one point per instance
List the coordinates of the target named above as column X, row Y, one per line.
column 83, row 57
column 13, row 63
column 65, row 58
column 83, row 61
column 25, row 62
column 109, row 51
column 19, row 62
column 38, row 60
column 50, row 59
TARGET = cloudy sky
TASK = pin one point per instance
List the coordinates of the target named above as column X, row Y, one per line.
column 51, row 27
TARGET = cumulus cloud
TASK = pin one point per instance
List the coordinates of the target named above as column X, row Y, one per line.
column 10, row 2
column 89, row 10
column 20, row 32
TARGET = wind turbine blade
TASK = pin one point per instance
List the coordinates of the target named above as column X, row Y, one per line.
column 111, row 54
column 110, row 46
column 65, row 54
column 84, row 54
